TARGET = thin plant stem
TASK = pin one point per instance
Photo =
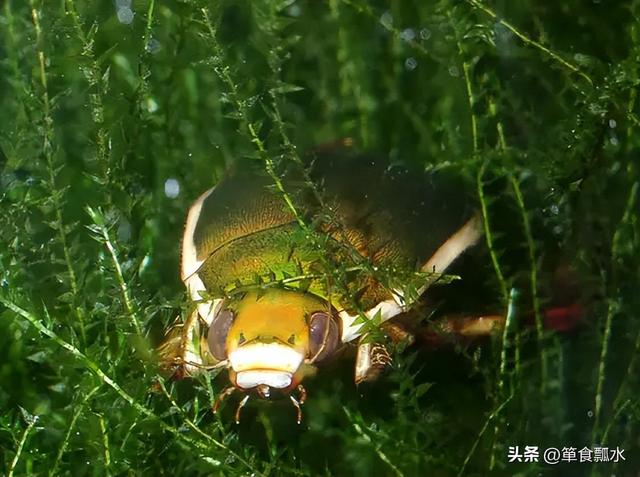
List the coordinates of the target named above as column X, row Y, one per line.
column 495, row 413
column 225, row 76
column 377, row 448
column 105, row 445
column 367, row 10
column 612, row 309
column 93, row 75
column 31, row 421
column 489, row 234
column 102, row 376
column 99, row 221
column 528, row 41
column 502, row 146
column 507, row 332
column 79, row 410
column 188, row 421
column 47, row 149
column 350, row 88
column 533, row 282
column 466, row 70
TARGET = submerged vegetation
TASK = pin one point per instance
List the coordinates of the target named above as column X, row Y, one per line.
column 116, row 115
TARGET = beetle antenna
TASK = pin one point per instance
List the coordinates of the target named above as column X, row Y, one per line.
column 240, row 406
column 297, row 404
column 221, row 397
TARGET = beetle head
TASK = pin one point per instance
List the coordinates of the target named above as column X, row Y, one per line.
column 271, row 340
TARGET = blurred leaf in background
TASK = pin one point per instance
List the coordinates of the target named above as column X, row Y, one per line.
column 116, row 115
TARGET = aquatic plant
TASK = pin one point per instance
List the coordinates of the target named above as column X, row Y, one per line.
column 116, row 115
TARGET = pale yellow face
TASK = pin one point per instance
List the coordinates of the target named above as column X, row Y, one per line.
column 274, row 337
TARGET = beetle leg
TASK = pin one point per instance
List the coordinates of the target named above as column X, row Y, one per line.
column 464, row 328
column 397, row 333
column 471, row 326
column 240, row 406
column 465, row 237
column 303, row 394
column 297, row 405
column 221, row 397
column 371, row 360
column 178, row 351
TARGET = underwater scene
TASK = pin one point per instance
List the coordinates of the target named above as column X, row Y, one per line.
column 319, row 238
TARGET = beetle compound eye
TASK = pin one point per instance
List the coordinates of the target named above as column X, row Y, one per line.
column 324, row 336
column 218, row 332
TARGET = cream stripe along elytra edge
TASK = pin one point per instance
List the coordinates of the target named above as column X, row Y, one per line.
column 242, row 247
column 461, row 240
column 190, row 264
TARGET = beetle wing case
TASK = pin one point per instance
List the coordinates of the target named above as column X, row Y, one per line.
column 393, row 216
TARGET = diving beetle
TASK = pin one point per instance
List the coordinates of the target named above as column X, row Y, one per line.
column 285, row 267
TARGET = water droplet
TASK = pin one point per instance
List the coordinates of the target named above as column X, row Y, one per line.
column 454, row 71
column 386, row 19
column 125, row 15
column 614, row 141
column 612, row 123
column 408, row 34
column 410, row 63
column 425, row 33
column 171, row 188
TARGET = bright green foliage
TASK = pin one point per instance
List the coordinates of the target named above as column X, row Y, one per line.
column 102, row 104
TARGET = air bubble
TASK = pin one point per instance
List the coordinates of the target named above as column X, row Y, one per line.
column 425, row 33
column 454, row 71
column 171, row 188
column 408, row 34
column 612, row 123
column 294, row 10
column 153, row 46
column 125, row 15
column 386, row 19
